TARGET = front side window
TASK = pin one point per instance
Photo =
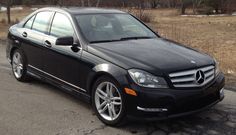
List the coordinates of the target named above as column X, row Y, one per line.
column 61, row 26
column 110, row 27
column 29, row 23
column 42, row 21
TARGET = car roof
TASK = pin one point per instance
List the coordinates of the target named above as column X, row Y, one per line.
column 83, row 10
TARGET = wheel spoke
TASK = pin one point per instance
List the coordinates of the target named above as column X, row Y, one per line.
column 14, row 63
column 18, row 59
column 101, row 94
column 116, row 98
column 102, row 105
column 110, row 111
column 14, row 66
column 113, row 110
column 103, row 109
column 15, row 60
column 109, row 88
column 20, row 66
column 19, row 71
column 116, row 101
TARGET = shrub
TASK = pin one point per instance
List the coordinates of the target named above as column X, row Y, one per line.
column 3, row 21
column 141, row 14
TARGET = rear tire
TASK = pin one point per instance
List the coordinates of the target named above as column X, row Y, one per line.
column 108, row 101
column 18, row 63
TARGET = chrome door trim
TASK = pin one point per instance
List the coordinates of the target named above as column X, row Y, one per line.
column 57, row 78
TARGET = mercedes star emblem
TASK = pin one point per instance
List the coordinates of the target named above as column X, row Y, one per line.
column 200, row 77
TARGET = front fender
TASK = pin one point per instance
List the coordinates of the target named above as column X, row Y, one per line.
column 117, row 73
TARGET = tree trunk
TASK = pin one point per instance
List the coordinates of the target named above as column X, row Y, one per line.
column 82, row 3
column 89, row 4
column 194, row 6
column 9, row 11
column 98, row 2
column 183, row 8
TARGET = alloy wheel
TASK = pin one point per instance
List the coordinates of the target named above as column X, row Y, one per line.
column 17, row 65
column 108, row 101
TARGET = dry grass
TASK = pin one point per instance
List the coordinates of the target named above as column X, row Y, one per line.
column 213, row 35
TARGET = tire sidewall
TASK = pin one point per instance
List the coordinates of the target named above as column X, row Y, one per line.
column 122, row 115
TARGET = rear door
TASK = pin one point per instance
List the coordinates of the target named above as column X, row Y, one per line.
column 62, row 62
column 33, row 34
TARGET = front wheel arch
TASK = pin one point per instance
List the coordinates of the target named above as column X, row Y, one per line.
column 96, row 77
column 110, row 70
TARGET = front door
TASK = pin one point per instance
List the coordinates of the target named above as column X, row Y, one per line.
column 61, row 62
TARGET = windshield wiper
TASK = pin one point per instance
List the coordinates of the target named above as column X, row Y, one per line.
column 121, row 39
column 103, row 41
column 130, row 38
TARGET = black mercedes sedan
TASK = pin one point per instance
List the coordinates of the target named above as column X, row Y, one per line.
column 115, row 62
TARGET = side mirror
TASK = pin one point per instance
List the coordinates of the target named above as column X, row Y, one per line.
column 65, row 41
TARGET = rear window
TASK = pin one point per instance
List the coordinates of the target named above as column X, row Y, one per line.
column 29, row 23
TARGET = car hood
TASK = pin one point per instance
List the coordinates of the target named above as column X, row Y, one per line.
column 153, row 55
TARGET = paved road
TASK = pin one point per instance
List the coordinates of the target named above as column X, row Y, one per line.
column 37, row 108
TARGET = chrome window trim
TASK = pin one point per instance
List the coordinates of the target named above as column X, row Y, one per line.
column 152, row 109
column 57, row 78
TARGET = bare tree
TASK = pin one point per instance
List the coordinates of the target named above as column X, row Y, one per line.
column 82, row 3
column 8, row 4
column 89, row 4
column 196, row 4
column 98, row 2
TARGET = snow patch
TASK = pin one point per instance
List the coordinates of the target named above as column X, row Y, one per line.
column 3, row 9
column 230, row 71
column 12, row 9
column 204, row 15
column 34, row 9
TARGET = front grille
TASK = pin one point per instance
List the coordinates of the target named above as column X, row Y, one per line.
column 188, row 78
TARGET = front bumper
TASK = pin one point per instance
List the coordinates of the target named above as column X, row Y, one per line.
column 153, row 104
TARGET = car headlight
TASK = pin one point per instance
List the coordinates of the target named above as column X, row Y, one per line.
column 146, row 79
column 217, row 68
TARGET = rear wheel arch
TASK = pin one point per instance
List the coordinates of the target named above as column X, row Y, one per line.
column 13, row 49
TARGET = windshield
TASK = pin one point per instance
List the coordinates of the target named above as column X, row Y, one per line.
column 112, row 27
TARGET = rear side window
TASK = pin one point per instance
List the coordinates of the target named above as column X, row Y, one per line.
column 61, row 26
column 29, row 23
column 42, row 21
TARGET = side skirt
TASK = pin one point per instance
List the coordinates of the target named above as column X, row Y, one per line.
column 59, row 84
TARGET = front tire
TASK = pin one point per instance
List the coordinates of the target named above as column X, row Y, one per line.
column 108, row 101
column 19, row 66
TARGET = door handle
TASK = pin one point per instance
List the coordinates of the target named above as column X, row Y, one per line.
column 47, row 43
column 24, row 34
